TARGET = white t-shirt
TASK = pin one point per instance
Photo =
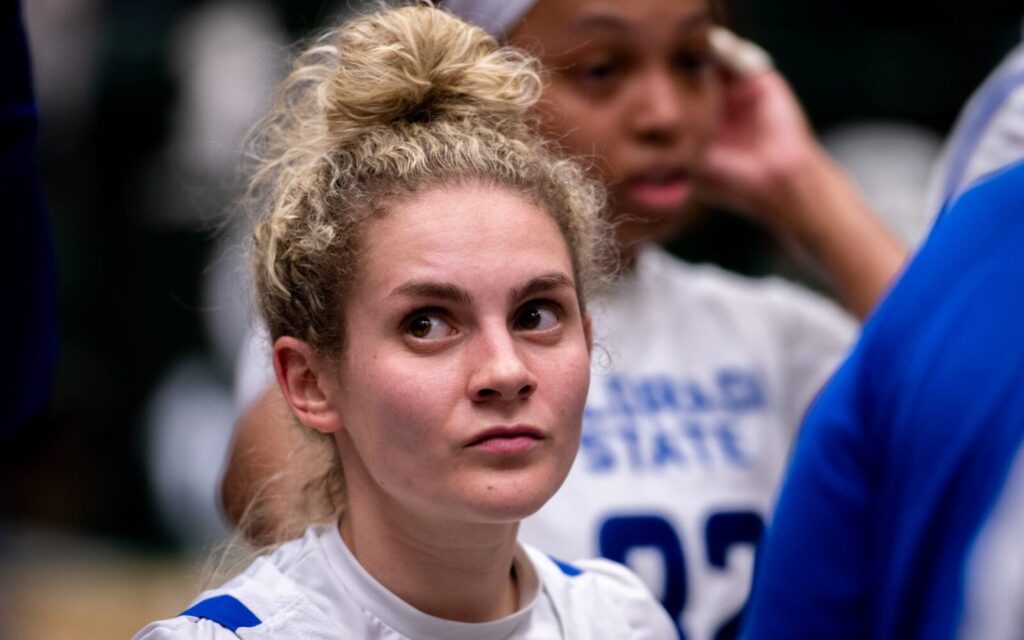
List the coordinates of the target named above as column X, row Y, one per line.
column 701, row 379
column 988, row 134
column 688, row 427
column 313, row 588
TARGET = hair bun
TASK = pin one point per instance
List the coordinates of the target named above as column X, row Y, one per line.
column 421, row 64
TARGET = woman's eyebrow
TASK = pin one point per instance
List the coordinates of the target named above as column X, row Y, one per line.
column 541, row 284
column 458, row 295
column 432, row 289
column 599, row 22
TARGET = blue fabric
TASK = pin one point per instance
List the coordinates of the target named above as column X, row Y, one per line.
column 904, row 454
column 567, row 568
column 225, row 610
column 27, row 271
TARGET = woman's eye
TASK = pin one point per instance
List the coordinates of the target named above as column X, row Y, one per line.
column 694, row 60
column 598, row 72
column 428, row 326
column 536, row 318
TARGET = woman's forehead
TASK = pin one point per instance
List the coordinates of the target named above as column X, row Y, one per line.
column 561, row 26
column 461, row 224
column 510, row 18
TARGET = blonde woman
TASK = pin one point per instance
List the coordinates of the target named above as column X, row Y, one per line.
column 423, row 265
column 688, row 427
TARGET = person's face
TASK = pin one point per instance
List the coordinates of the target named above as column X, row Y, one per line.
column 466, row 366
column 632, row 87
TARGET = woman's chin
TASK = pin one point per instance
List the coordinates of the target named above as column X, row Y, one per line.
column 509, row 500
column 636, row 228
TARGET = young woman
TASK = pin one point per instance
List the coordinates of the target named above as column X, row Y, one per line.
column 687, row 429
column 422, row 266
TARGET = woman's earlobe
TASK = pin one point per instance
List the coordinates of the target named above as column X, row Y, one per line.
column 305, row 384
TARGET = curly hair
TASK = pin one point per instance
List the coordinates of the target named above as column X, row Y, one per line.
column 386, row 106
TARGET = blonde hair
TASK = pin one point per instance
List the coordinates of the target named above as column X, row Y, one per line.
column 390, row 104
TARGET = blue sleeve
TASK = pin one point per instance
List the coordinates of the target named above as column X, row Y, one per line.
column 903, row 456
column 27, row 278
column 816, row 540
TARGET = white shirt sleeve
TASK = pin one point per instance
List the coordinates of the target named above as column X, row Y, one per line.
column 646, row 618
column 184, row 628
column 988, row 134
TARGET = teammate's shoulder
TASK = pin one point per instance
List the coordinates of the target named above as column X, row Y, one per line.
column 1000, row 187
column 713, row 282
column 604, row 595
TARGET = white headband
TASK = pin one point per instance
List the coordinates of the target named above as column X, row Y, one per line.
column 495, row 16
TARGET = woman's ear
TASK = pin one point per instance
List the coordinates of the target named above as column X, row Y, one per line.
column 306, row 384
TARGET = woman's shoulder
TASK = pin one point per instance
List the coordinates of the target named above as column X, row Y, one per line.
column 270, row 594
column 213, row 618
column 602, row 596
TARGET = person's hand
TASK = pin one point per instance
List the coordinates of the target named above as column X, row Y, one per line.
column 765, row 161
column 762, row 146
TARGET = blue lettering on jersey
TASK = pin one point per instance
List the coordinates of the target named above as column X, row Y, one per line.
column 665, row 451
column 631, row 439
column 618, row 399
column 621, row 534
column 697, row 399
column 695, row 435
column 727, row 439
column 656, row 394
column 740, row 391
column 600, row 458
column 651, row 423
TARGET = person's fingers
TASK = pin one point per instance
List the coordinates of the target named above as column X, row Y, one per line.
column 740, row 57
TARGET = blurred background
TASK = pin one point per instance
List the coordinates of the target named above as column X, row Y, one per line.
column 107, row 506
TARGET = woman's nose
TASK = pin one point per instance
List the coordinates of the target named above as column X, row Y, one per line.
column 500, row 372
column 659, row 107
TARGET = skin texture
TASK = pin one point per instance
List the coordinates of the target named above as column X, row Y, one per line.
column 634, row 88
column 463, row 318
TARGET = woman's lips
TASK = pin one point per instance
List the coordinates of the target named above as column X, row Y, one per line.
column 507, row 440
column 662, row 189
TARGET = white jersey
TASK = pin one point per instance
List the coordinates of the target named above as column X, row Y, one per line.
column 687, row 430
column 988, row 134
column 313, row 588
column 701, row 378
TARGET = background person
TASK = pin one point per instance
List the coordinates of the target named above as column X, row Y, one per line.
column 688, row 426
column 988, row 134
column 900, row 516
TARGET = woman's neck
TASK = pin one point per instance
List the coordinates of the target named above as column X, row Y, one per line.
column 452, row 571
